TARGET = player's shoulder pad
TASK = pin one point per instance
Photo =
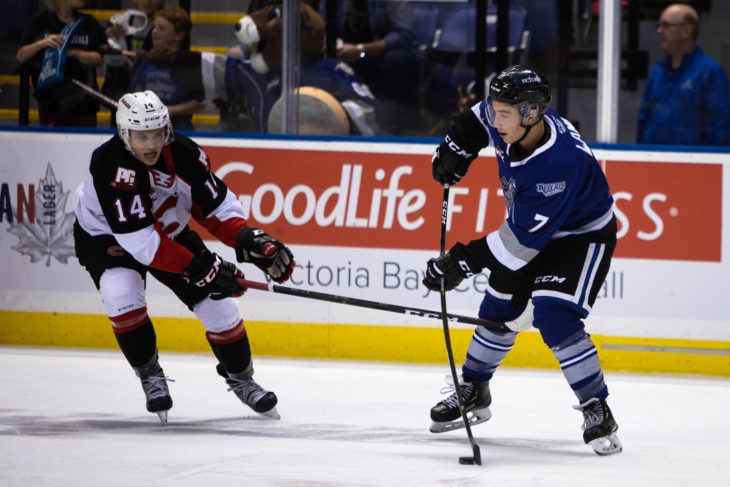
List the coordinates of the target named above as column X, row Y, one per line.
column 109, row 146
column 109, row 156
column 189, row 158
column 184, row 146
column 183, row 140
column 114, row 168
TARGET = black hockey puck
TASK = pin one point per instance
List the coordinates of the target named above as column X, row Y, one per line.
column 466, row 460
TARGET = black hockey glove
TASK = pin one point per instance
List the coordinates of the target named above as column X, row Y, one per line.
column 218, row 277
column 454, row 266
column 266, row 253
column 450, row 162
column 460, row 147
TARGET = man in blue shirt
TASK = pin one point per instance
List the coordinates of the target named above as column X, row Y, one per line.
column 687, row 96
column 554, row 248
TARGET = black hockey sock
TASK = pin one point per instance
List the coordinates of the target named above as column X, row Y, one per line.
column 234, row 356
column 138, row 345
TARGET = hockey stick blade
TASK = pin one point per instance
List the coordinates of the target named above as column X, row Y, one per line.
column 363, row 303
column 475, row 460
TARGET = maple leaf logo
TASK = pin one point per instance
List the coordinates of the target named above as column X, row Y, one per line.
column 51, row 234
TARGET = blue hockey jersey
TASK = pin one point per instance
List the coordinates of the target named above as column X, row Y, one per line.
column 556, row 191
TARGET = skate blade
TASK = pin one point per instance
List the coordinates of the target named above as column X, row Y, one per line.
column 271, row 414
column 163, row 417
column 606, row 445
column 475, row 417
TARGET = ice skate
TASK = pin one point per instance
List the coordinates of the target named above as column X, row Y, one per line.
column 599, row 427
column 154, row 385
column 446, row 416
column 250, row 393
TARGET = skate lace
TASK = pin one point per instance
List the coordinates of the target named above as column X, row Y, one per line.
column 453, row 400
column 155, row 386
column 592, row 416
column 248, row 390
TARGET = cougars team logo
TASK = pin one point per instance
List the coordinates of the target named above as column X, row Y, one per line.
column 125, row 179
column 161, row 180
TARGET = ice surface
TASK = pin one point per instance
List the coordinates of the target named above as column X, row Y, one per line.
column 77, row 418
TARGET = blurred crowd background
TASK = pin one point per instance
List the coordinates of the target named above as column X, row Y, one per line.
column 375, row 68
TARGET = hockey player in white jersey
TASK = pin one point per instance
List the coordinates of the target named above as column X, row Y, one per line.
column 553, row 250
column 132, row 213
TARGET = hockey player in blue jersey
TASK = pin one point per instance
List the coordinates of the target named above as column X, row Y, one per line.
column 549, row 258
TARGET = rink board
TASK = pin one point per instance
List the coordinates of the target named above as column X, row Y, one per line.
column 362, row 218
column 367, row 342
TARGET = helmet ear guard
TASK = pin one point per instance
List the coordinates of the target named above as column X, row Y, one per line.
column 142, row 110
column 525, row 108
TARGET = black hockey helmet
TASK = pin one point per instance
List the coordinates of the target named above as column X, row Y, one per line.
column 521, row 86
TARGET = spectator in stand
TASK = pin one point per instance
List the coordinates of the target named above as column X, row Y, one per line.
column 255, row 5
column 331, row 86
column 75, row 54
column 687, row 96
column 173, row 73
column 375, row 38
column 119, row 67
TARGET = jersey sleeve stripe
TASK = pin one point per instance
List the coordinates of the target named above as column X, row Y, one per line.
column 171, row 257
column 593, row 226
column 226, row 221
column 507, row 250
column 150, row 248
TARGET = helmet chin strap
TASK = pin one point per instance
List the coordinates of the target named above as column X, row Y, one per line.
column 527, row 129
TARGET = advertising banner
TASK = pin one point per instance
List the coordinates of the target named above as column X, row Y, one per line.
column 362, row 219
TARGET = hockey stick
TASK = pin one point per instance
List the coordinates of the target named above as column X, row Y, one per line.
column 395, row 308
column 477, row 458
column 96, row 94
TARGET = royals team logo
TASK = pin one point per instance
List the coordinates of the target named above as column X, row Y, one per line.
column 549, row 189
column 40, row 221
column 509, row 188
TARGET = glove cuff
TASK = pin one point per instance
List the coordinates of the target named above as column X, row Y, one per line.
column 465, row 260
column 246, row 236
column 198, row 271
column 467, row 132
column 245, row 243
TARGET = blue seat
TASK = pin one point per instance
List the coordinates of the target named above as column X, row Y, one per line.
column 451, row 57
column 542, row 22
column 458, row 31
column 424, row 21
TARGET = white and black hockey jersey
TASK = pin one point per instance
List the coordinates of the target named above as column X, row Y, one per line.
column 556, row 191
column 145, row 207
